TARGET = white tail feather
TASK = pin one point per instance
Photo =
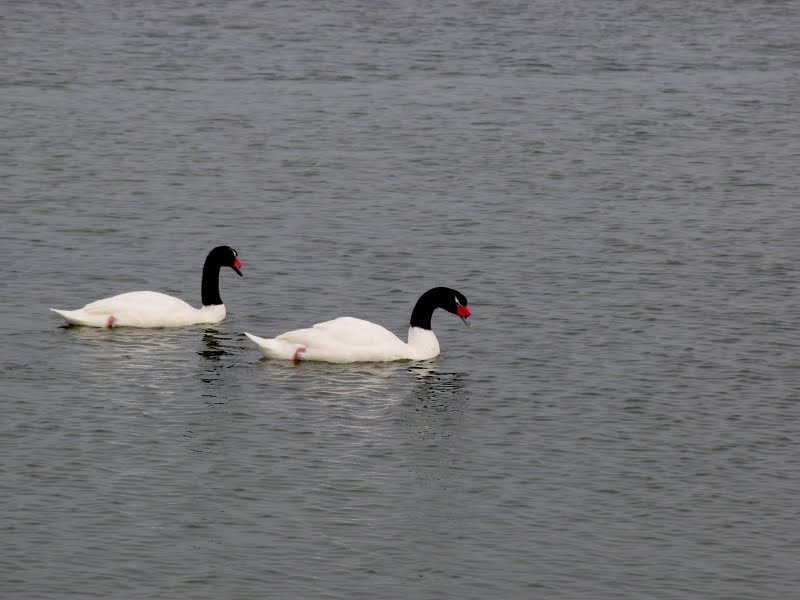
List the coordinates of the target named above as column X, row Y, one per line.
column 275, row 348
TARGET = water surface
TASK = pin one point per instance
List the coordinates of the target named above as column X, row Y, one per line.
column 612, row 185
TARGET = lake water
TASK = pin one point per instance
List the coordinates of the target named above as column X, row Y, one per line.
column 613, row 186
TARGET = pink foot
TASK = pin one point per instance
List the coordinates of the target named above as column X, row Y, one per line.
column 296, row 357
column 111, row 321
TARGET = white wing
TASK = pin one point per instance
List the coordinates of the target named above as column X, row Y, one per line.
column 154, row 302
column 345, row 332
column 142, row 309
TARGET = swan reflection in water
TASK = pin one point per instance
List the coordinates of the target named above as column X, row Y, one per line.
column 439, row 398
column 371, row 385
column 438, row 388
column 123, row 361
column 131, row 348
column 212, row 348
column 374, row 387
column 216, row 346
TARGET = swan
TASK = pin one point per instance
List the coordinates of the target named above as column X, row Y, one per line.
column 346, row 339
column 153, row 309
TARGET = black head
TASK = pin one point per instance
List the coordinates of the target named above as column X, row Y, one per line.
column 225, row 256
column 455, row 302
column 449, row 299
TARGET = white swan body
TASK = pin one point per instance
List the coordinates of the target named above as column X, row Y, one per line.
column 142, row 309
column 153, row 309
column 346, row 340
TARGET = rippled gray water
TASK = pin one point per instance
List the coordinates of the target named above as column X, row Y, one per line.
column 613, row 185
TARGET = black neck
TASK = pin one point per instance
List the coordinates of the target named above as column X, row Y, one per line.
column 423, row 310
column 210, row 285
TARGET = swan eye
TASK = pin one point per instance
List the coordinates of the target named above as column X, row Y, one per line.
column 457, row 302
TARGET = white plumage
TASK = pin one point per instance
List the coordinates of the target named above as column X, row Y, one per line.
column 142, row 309
column 154, row 309
column 346, row 340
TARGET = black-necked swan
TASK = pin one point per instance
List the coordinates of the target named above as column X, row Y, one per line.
column 346, row 339
column 153, row 309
